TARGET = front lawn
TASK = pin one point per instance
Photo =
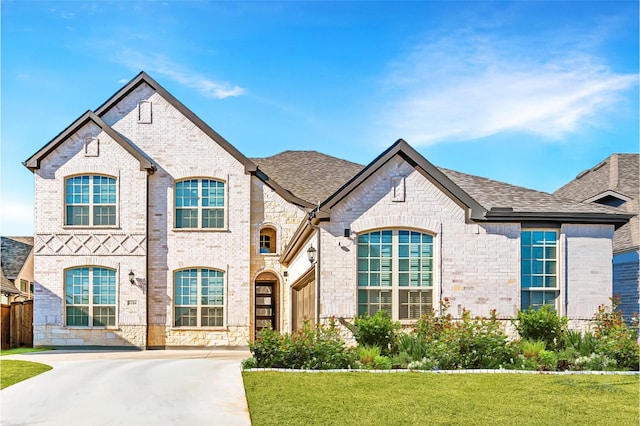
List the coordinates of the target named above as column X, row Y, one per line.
column 277, row 398
column 14, row 371
column 18, row 351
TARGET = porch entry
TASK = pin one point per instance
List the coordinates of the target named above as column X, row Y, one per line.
column 265, row 306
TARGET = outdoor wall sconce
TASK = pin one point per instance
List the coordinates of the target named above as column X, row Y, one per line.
column 132, row 277
column 311, row 254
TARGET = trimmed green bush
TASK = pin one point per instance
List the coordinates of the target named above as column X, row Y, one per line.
column 542, row 324
column 378, row 330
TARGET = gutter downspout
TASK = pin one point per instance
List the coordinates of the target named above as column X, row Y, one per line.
column 317, row 269
column 146, row 343
column 441, row 270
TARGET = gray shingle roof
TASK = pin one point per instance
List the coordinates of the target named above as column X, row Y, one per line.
column 14, row 252
column 491, row 193
column 619, row 173
column 309, row 175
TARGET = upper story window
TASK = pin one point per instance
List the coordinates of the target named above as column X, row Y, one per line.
column 90, row 200
column 198, row 298
column 395, row 273
column 200, row 203
column 538, row 268
column 267, row 240
column 90, row 297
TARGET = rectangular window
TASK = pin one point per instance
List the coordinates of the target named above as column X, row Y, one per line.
column 90, row 297
column 538, row 268
column 395, row 273
column 199, row 298
column 90, row 201
column 24, row 286
column 200, row 203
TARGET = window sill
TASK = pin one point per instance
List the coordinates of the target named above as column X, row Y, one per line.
column 269, row 254
column 88, row 327
column 200, row 229
column 90, row 228
column 223, row 328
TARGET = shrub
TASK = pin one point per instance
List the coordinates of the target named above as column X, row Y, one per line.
column 531, row 348
column 378, row 330
column 445, row 343
column 547, row 360
column 542, row 324
column 367, row 355
column 594, row 362
column 382, row 362
column 615, row 339
column 584, row 344
column 317, row 348
column 413, row 345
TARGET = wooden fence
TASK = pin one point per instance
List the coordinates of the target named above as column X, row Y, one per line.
column 17, row 325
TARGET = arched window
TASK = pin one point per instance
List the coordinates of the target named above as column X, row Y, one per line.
column 395, row 273
column 267, row 240
column 200, row 203
column 90, row 297
column 90, row 200
column 198, row 298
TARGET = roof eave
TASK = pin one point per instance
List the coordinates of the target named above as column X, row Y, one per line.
column 586, row 218
column 33, row 163
column 286, row 195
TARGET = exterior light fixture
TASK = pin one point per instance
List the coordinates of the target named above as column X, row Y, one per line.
column 311, row 254
column 132, row 277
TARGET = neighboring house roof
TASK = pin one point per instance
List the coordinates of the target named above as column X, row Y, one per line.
column 14, row 252
column 309, row 175
column 33, row 162
column 6, row 286
column 617, row 176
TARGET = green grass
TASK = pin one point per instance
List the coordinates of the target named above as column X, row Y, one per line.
column 14, row 371
column 18, row 351
column 413, row 398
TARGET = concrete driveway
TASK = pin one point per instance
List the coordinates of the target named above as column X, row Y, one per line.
column 185, row 387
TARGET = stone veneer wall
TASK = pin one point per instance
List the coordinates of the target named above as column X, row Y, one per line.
column 181, row 150
column 58, row 247
column 269, row 209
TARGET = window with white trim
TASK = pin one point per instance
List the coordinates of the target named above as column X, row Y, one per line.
column 395, row 273
column 90, row 200
column 200, row 203
column 90, row 297
column 538, row 268
column 198, row 298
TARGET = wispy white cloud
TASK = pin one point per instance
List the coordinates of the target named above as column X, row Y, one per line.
column 160, row 64
column 465, row 86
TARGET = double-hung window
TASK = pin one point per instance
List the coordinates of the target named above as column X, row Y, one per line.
column 395, row 273
column 538, row 268
column 90, row 200
column 90, row 297
column 199, row 298
column 200, row 203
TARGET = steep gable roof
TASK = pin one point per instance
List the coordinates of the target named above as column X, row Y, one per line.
column 309, row 175
column 14, row 252
column 33, row 162
column 143, row 78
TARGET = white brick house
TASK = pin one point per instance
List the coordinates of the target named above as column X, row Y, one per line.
column 153, row 231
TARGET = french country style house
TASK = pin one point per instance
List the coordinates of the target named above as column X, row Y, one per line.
column 153, row 231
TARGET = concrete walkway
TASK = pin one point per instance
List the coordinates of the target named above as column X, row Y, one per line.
column 89, row 387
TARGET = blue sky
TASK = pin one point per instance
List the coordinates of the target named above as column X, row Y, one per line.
column 529, row 93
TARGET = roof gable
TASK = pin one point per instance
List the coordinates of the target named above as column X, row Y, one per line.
column 34, row 161
column 143, row 78
column 431, row 172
